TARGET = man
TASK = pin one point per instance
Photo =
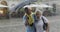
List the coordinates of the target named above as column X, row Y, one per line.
column 29, row 20
column 41, row 22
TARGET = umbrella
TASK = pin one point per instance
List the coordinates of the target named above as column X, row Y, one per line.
column 38, row 5
column 45, row 6
column 31, row 5
column 2, row 6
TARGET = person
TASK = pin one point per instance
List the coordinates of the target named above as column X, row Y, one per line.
column 54, row 8
column 41, row 22
column 29, row 20
column 3, row 2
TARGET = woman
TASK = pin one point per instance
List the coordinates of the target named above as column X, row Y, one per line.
column 39, row 22
column 28, row 20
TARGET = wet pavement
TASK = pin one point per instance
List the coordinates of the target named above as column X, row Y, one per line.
column 11, row 25
column 16, row 24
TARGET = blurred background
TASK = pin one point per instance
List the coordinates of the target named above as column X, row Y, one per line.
column 12, row 11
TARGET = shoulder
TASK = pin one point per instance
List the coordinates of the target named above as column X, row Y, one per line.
column 44, row 17
column 46, row 20
column 24, row 17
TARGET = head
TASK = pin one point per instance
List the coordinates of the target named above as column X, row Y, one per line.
column 3, row 2
column 38, row 14
column 28, row 10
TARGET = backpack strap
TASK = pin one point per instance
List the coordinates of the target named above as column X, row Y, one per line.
column 43, row 20
column 45, row 24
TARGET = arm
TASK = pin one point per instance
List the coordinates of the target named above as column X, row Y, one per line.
column 47, row 30
column 25, row 21
column 46, row 21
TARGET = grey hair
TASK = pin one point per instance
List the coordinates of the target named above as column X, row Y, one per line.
column 37, row 10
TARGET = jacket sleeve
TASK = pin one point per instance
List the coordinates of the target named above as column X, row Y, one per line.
column 24, row 19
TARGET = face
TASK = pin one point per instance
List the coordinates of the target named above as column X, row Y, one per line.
column 38, row 14
column 29, row 11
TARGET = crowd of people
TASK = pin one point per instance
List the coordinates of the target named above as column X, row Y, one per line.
column 35, row 22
